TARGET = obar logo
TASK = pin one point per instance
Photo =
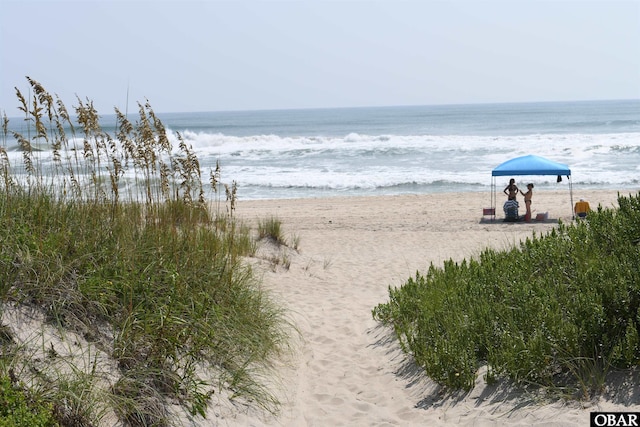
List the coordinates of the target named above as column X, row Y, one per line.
column 615, row 419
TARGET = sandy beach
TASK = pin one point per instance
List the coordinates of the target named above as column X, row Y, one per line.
column 345, row 368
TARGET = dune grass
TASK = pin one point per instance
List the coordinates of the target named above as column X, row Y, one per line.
column 113, row 240
column 559, row 311
column 271, row 229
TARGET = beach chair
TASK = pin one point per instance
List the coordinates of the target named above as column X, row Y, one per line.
column 510, row 208
column 542, row 216
column 489, row 212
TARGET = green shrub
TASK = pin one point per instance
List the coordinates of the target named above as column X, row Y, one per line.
column 18, row 409
column 558, row 310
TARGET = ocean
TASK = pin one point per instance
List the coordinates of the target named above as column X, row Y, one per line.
column 409, row 149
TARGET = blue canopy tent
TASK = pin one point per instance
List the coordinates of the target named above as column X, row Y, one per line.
column 529, row 165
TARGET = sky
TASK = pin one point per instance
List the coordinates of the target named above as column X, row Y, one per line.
column 185, row 56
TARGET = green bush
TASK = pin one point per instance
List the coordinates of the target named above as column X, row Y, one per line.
column 559, row 310
column 17, row 409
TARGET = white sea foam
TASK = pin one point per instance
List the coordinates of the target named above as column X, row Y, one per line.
column 417, row 163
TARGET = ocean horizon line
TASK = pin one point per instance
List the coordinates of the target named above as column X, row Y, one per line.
column 360, row 107
column 383, row 106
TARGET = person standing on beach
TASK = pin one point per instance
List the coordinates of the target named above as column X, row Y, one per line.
column 527, row 201
column 511, row 190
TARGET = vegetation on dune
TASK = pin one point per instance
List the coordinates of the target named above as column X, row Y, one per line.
column 558, row 311
column 111, row 239
column 271, row 229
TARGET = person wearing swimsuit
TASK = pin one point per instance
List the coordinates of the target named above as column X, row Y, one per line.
column 511, row 190
column 527, row 201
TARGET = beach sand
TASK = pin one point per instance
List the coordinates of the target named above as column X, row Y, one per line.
column 346, row 369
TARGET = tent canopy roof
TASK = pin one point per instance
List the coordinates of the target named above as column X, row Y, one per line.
column 531, row 165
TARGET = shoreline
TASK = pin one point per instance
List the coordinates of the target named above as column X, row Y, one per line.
column 348, row 370
column 481, row 189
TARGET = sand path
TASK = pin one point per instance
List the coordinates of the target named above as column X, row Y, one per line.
column 347, row 369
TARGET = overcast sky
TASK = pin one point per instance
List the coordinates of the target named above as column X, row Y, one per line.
column 246, row 55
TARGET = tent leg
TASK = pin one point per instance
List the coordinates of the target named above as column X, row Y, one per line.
column 573, row 216
column 493, row 197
